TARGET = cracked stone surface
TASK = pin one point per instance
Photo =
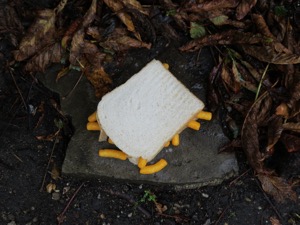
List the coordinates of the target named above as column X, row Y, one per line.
column 194, row 163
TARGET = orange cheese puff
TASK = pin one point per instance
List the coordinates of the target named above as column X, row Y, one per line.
column 111, row 153
column 142, row 163
column 110, row 141
column 92, row 126
column 92, row 117
column 204, row 115
column 154, row 168
column 194, row 125
column 166, row 65
column 167, row 144
column 175, row 140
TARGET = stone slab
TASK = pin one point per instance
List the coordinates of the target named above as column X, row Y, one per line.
column 194, row 163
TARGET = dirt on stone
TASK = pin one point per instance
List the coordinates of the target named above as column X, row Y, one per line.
column 33, row 145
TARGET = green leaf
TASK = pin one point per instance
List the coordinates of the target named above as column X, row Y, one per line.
column 219, row 20
column 280, row 10
column 197, row 30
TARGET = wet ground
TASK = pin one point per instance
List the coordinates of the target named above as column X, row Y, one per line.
column 34, row 135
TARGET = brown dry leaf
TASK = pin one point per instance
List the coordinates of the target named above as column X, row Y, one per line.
column 291, row 142
column 240, row 79
column 256, row 115
column 135, row 4
column 117, row 7
column 274, row 133
column 277, row 187
column 10, row 24
column 41, row 33
column 211, row 5
column 282, row 110
column 244, row 8
column 46, row 56
column 64, row 71
column 122, row 43
column 223, row 38
column 268, row 54
column 291, row 126
column 99, row 79
column 160, row 208
column 179, row 16
column 229, row 80
column 70, row 32
column 263, row 28
column 274, row 221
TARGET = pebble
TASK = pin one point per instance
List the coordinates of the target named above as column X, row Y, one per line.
column 56, row 196
column 12, row 223
column 205, row 195
column 130, row 215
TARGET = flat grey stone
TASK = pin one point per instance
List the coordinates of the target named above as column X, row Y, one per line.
column 194, row 163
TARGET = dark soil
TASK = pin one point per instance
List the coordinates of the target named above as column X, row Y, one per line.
column 33, row 147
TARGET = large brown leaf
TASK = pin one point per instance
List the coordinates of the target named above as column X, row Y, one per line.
column 223, row 38
column 41, row 33
column 209, row 5
column 277, row 187
column 257, row 114
column 9, row 20
column 118, row 7
column 263, row 28
column 268, row 54
column 44, row 58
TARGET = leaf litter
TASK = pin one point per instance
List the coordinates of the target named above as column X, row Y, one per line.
column 246, row 37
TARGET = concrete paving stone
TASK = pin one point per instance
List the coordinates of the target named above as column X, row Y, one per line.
column 194, row 163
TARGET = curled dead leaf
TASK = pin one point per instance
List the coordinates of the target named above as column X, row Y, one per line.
column 277, row 187
column 45, row 57
column 223, row 38
column 50, row 187
column 256, row 116
column 268, row 54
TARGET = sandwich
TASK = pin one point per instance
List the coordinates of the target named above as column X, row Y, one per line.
column 143, row 115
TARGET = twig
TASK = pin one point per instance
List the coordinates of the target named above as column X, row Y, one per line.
column 239, row 177
column 177, row 218
column 19, row 91
column 222, row 214
column 61, row 216
column 71, row 91
column 268, row 200
column 131, row 200
column 49, row 161
column 17, row 157
column 261, row 80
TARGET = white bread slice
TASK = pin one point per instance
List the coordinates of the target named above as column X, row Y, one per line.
column 144, row 113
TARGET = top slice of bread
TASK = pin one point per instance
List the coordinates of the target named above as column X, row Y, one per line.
column 144, row 113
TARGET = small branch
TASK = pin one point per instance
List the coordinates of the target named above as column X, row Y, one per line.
column 19, row 91
column 239, row 177
column 261, row 80
column 222, row 214
column 49, row 161
column 62, row 216
column 268, row 200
